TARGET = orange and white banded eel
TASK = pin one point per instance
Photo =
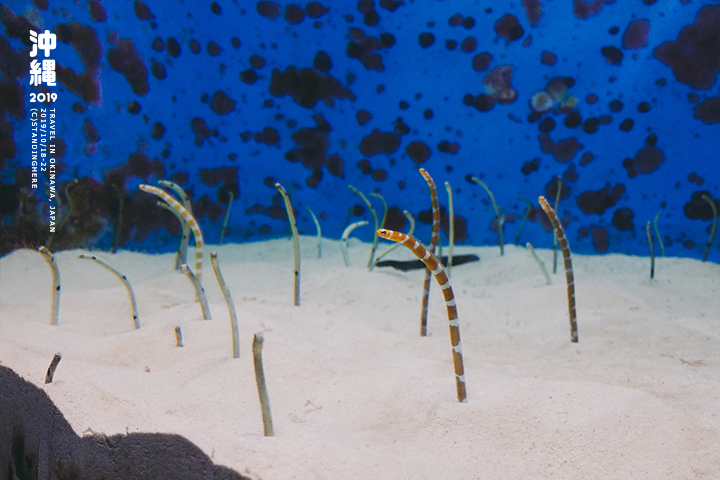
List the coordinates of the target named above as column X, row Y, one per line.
column 433, row 245
column 436, row 268
column 187, row 216
column 560, row 234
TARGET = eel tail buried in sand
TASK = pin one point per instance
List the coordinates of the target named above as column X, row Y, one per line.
column 187, row 216
column 437, row 269
column 560, row 233
column 433, row 244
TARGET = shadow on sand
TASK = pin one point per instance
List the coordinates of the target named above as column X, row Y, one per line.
column 36, row 442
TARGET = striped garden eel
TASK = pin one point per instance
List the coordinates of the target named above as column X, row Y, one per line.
column 560, row 233
column 187, row 216
column 433, row 245
column 185, row 200
column 431, row 262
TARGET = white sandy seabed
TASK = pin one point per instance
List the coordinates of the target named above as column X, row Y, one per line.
column 356, row 392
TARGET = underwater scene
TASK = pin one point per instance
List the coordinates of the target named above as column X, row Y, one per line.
column 609, row 109
column 240, row 239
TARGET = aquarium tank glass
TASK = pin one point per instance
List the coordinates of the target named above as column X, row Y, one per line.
column 609, row 108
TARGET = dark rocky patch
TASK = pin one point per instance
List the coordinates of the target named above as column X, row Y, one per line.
column 426, row 39
column 126, row 60
column 200, row 128
column 708, row 111
column 627, row 124
column 596, row 202
column 591, row 125
column 613, row 55
column 269, row 10
column 481, row 61
column 551, row 189
column 379, row 142
column 294, row 14
column 12, row 99
column 582, row 9
column 699, row 209
column 84, row 40
column 85, row 85
column 256, row 61
column 563, row 150
column 143, row 11
column 158, row 130
column 548, row 58
column 615, row 106
column 158, row 70
column 647, row 160
column 173, row 47
column 307, row 87
column 269, row 136
column 468, row 45
column 533, row 11
column 315, row 10
column 97, row 11
column 695, row 56
column 364, row 166
column 447, row 147
column 600, row 239
column 213, row 49
column 636, row 34
column 248, row 76
column 8, row 147
column 546, row 125
column 391, row 5
column 158, row 45
column 17, row 26
column 335, row 165
column 572, row 120
column 508, row 27
column 363, row 48
column 13, row 64
column 363, row 116
column 418, row 151
column 313, row 144
column 90, row 132
column 221, row 104
column 481, row 103
column 623, row 219
column 530, row 166
column 212, row 177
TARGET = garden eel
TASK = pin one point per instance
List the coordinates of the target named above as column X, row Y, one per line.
column 560, row 234
column 187, row 216
column 433, row 244
column 437, row 269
